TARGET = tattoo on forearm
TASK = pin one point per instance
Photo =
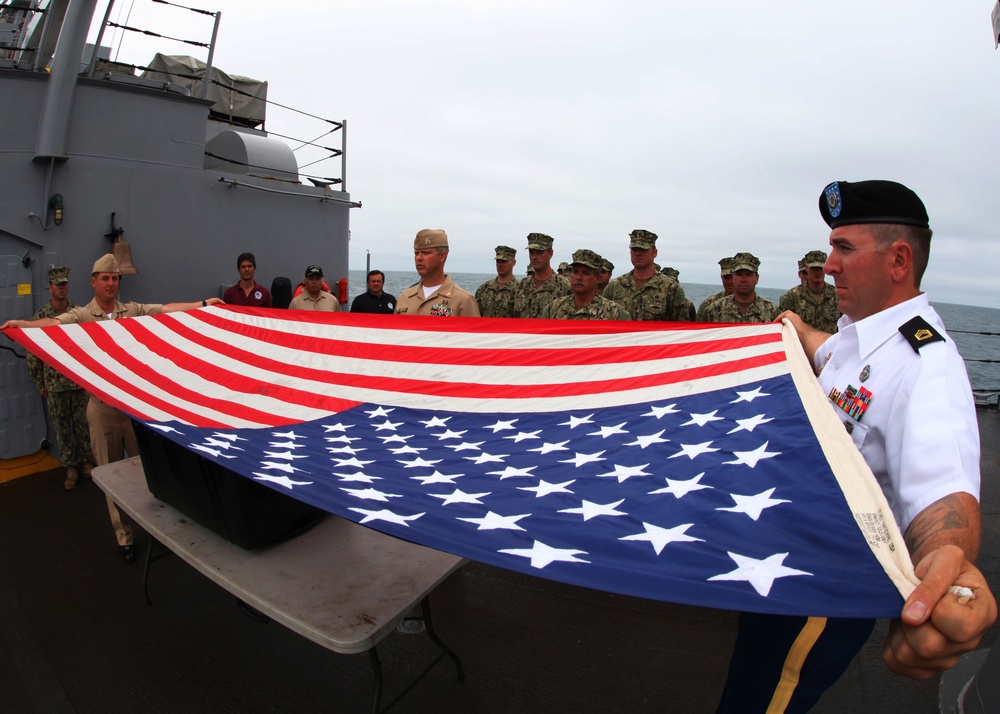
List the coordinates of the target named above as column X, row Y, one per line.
column 941, row 523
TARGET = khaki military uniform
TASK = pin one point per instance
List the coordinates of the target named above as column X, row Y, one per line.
column 66, row 402
column 821, row 312
column 599, row 308
column 725, row 309
column 496, row 300
column 659, row 298
column 324, row 302
column 530, row 301
column 448, row 300
column 111, row 434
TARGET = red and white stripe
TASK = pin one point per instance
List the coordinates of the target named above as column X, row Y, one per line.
column 245, row 367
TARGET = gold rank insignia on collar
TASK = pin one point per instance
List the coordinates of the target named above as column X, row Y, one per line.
column 918, row 332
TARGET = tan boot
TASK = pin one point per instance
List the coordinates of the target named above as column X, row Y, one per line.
column 71, row 478
column 86, row 469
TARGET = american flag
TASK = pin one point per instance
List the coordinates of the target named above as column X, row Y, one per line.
column 682, row 462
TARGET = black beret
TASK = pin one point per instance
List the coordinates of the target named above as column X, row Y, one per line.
column 845, row 204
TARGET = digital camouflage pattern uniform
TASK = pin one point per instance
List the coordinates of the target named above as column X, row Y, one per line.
column 725, row 309
column 660, row 297
column 496, row 300
column 707, row 303
column 599, row 308
column 67, row 404
column 530, row 301
column 821, row 312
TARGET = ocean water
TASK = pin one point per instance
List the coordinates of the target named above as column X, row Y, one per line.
column 976, row 330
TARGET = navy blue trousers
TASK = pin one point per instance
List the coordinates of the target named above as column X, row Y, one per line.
column 783, row 664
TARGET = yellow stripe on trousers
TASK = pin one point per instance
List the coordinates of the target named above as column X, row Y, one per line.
column 800, row 649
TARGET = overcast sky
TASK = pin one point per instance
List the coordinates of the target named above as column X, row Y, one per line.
column 714, row 124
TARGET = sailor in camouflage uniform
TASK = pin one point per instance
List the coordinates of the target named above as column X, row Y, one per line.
column 676, row 275
column 803, row 272
column 585, row 303
column 726, row 266
column 644, row 292
column 496, row 296
column 816, row 301
column 66, row 401
column 604, row 278
column 542, row 285
column 744, row 305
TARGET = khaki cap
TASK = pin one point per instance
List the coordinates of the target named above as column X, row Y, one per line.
column 59, row 275
column 106, row 264
column 588, row 258
column 746, row 261
column 430, row 238
column 539, row 241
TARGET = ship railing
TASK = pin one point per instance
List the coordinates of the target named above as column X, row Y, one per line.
column 16, row 20
column 988, row 397
column 323, row 151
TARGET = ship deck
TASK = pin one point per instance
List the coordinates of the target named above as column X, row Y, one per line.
column 77, row 636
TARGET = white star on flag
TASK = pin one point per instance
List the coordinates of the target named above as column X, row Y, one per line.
column 761, row 574
column 592, row 510
column 750, row 458
column 693, row 450
column 286, row 435
column 749, row 424
column 622, row 473
column 703, row 419
column 524, row 435
column 435, row 422
column 607, row 431
column 544, row 488
column 459, row 496
column 385, row 515
column 337, row 427
column 394, row 438
column 501, row 425
column 485, row 458
column 581, row 459
column 402, row 450
column 660, row 538
column 370, row 494
column 493, row 521
column 749, row 396
column 379, row 412
column 660, row 412
column 511, row 471
column 541, row 554
column 753, row 506
column 437, row 477
column 449, row 434
column 574, row 422
column 356, row 463
column 358, row 477
column 466, row 446
column 392, row 426
column 221, row 444
column 280, row 480
column 284, row 455
column 649, row 440
column 214, row 452
column 288, row 468
column 548, row 448
column 679, row 489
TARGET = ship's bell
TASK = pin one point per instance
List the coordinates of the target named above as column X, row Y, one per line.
column 123, row 254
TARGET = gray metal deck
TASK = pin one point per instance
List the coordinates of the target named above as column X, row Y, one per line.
column 77, row 636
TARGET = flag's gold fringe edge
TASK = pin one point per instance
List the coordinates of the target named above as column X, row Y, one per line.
column 864, row 495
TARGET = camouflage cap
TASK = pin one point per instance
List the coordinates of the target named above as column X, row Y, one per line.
column 59, row 275
column 106, row 264
column 608, row 266
column 563, row 268
column 539, row 241
column 505, row 252
column 844, row 204
column 671, row 273
column 746, row 261
column 640, row 238
column 726, row 265
column 802, row 265
column 588, row 258
column 430, row 238
column 814, row 259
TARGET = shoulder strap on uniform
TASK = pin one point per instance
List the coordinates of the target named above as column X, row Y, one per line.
column 918, row 332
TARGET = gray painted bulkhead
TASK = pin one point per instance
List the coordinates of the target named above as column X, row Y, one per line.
column 138, row 152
